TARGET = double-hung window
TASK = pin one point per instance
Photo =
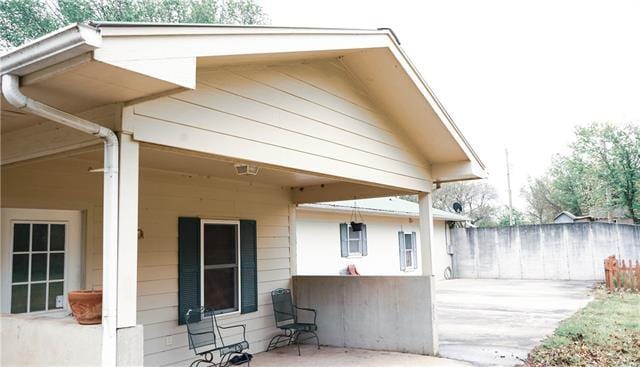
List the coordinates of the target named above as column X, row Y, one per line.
column 407, row 248
column 220, row 249
column 353, row 243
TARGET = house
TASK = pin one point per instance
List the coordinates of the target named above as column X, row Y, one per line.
column 618, row 215
column 163, row 164
column 567, row 217
column 388, row 245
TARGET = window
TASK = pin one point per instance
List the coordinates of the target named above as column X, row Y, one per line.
column 408, row 253
column 353, row 243
column 40, row 254
column 220, row 265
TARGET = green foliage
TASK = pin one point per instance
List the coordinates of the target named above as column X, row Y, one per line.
column 602, row 172
column 541, row 208
column 518, row 217
column 605, row 333
column 24, row 20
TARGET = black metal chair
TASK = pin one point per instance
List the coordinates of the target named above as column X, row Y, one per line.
column 286, row 315
column 205, row 338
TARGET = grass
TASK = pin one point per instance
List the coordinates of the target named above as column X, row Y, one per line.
column 606, row 333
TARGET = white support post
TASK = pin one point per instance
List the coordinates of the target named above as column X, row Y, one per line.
column 293, row 244
column 128, row 232
column 426, row 254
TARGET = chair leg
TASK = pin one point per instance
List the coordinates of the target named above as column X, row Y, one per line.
column 297, row 334
column 317, row 339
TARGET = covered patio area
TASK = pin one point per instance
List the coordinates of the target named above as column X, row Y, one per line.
column 347, row 357
column 169, row 180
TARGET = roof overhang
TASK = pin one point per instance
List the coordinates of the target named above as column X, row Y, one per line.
column 332, row 208
column 85, row 66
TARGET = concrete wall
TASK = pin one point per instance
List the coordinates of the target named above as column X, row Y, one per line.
column 370, row 312
column 574, row 251
column 318, row 245
column 40, row 340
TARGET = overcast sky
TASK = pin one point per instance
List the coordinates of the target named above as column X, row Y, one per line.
column 512, row 74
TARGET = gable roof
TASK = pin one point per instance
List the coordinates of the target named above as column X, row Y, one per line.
column 83, row 66
column 391, row 206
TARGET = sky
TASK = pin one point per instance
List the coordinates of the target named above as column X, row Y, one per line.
column 513, row 75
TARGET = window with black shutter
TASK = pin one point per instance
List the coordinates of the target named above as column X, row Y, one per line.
column 217, row 265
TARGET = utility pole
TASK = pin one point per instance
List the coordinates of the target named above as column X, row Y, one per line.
column 506, row 153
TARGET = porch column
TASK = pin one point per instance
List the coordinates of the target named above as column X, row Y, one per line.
column 426, row 239
column 128, row 232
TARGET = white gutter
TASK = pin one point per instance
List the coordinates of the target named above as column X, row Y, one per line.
column 11, row 92
column 53, row 48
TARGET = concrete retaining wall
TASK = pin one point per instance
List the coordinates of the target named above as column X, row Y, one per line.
column 574, row 251
column 371, row 312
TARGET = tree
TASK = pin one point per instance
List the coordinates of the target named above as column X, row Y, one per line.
column 602, row 172
column 24, row 20
column 504, row 220
column 478, row 200
column 573, row 183
column 541, row 207
column 613, row 156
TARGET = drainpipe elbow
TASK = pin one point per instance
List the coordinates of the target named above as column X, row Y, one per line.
column 107, row 135
column 11, row 91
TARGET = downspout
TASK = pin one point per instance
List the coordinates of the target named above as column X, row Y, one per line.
column 12, row 93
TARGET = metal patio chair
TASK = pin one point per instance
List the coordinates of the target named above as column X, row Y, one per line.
column 205, row 338
column 286, row 315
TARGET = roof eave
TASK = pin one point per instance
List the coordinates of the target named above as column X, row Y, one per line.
column 53, row 48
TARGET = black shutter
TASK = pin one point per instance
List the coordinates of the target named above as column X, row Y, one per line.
column 364, row 240
column 344, row 240
column 188, row 266
column 248, row 266
column 401, row 247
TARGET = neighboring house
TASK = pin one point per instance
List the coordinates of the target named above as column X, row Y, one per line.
column 613, row 216
column 387, row 246
column 567, row 217
column 171, row 180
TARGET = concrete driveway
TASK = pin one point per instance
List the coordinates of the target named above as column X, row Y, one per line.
column 491, row 322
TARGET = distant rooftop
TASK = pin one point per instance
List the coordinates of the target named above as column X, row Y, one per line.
column 384, row 206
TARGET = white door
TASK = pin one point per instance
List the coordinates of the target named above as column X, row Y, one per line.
column 41, row 259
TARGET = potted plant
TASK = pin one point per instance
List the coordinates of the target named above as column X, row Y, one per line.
column 86, row 306
column 356, row 225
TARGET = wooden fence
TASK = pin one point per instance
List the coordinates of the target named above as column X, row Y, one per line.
column 620, row 275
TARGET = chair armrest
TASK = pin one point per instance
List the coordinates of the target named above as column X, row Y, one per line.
column 244, row 329
column 315, row 313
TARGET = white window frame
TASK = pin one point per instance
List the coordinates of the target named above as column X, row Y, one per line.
column 410, row 252
column 349, row 239
column 73, row 251
column 203, row 222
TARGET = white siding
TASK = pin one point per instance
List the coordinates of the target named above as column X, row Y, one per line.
column 318, row 245
column 66, row 184
column 313, row 117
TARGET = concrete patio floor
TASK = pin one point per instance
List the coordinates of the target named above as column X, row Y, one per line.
column 492, row 322
column 346, row 357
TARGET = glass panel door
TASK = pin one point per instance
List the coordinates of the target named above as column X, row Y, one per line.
column 38, row 266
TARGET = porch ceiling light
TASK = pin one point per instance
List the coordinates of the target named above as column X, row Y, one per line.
column 246, row 169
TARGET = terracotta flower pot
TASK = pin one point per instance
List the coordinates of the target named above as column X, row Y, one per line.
column 86, row 306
